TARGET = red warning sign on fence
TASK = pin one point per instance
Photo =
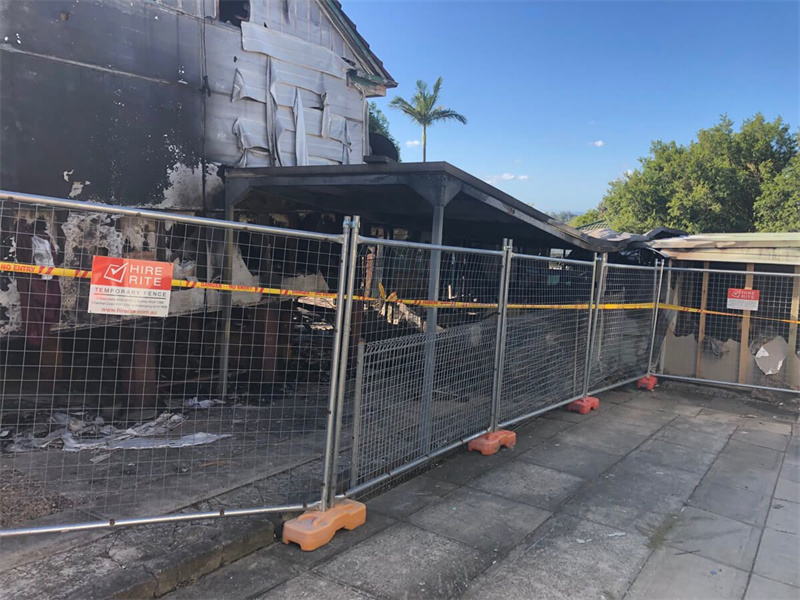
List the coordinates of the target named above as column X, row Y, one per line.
column 127, row 286
column 743, row 299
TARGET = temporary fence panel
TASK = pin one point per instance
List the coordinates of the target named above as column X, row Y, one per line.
column 547, row 334
column 623, row 325
column 421, row 381
column 150, row 361
column 733, row 327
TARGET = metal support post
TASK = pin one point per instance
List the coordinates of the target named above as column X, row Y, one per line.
column 344, row 353
column 658, row 277
column 226, row 305
column 335, row 365
column 500, row 343
column 425, row 424
column 590, row 325
column 357, row 395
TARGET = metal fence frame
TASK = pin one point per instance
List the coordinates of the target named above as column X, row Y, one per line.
column 673, row 272
column 593, row 306
column 346, row 239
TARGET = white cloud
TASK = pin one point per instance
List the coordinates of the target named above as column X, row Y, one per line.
column 495, row 179
column 598, row 144
column 413, row 143
column 629, row 172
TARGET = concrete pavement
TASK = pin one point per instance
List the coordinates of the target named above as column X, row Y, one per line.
column 670, row 494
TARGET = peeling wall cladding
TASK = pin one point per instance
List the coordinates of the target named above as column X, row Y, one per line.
column 106, row 100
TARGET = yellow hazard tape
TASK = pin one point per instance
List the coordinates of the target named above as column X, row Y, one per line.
column 700, row 311
column 392, row 297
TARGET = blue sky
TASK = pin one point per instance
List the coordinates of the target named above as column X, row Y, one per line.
column 566, row 96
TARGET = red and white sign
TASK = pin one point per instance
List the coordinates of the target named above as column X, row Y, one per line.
column 127, row 286
column 743, row 299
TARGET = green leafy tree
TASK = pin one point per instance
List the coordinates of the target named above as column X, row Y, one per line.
column 778, row 206
column 563, row 216
column 425, row 110
column 712, row 185
column 378, row 123
column 590, row 216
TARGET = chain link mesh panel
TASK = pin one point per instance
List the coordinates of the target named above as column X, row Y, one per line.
column 112, row 416
column 546, row 334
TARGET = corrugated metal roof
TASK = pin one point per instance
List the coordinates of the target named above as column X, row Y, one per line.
column 762, row 248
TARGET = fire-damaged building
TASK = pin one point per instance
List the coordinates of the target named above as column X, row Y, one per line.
column 252, row 111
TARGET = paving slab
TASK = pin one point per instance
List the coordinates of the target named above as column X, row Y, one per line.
column 735, row 503
column 614, row 422
column 758, row 437
column 778, row 557
column 791, row 469
column 566, row 558
column 537, row 432
column 608, row 440
column 343, row 540
column 750, row 468
column 785, row 516
column 699, row 434
column 530, row 484
column 312, row 587
column 245, row 578
column 575, row 460
column 647, row 418
column 408, row 562
column 635, row 496
column 787, row 490
column 761, row 588
column 669, row 573
column 618, row 396
column 466, row 466
column 716, row 538
column 661, row 452
column 748, row 455
column 411, row 496
column 666, row 404
column 489, row 523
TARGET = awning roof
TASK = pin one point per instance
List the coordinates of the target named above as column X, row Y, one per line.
column 403, row 195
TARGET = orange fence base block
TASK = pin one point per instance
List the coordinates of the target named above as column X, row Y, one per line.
column 647, row 383
column 490, row 443
column 316, row 528
column 584, row 405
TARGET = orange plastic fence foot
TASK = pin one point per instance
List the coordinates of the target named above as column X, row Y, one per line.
column 489, row 443
column 584, row 405
column 647, row 383
column 316, row 528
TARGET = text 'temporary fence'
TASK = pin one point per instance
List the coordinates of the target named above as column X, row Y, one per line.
column 273, row 370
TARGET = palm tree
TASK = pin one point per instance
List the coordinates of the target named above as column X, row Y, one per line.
column 423, row 109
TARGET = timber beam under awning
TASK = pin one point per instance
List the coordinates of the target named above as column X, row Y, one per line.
column 405, row 195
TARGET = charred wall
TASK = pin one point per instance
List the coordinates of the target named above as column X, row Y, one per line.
column 140, row 102
column 101, row 101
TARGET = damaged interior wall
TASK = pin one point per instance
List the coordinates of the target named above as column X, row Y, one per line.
column 148, row 118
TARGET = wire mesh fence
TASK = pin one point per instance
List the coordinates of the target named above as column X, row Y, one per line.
column 549, row 308
column 733, row 326
column 150, row 361
column 623, row 324
column 422, row 378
